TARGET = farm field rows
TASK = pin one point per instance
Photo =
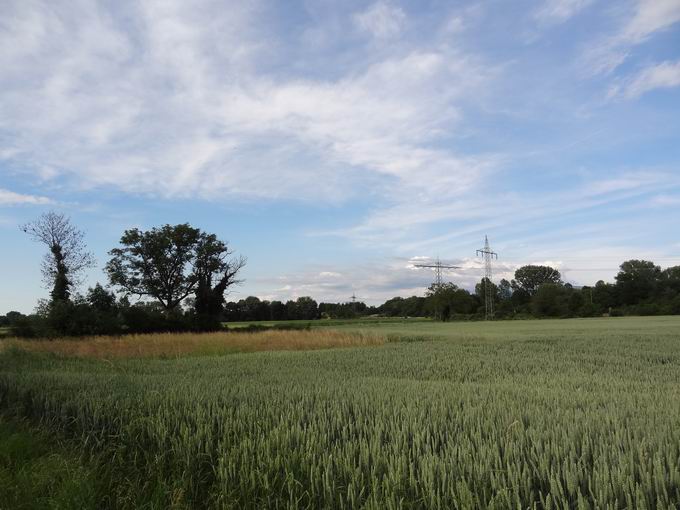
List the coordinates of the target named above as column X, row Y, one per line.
column 523, row 414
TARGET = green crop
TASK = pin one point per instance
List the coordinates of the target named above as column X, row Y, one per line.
column 538, row 414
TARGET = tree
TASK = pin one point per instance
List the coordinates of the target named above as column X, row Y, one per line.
column 67, row 258
column 480, row 289
column 530, row 278
column 12, row 317
column 156, row 263
column 307, row 308
column 447, row 299
column 101, row 299
column 215, row 272
column 278, row 310
column 504, row 290
column 292, row 312
column 604, row 296
column 551, row 299
column 252, row 308
column 671, row 277
column 637, row 280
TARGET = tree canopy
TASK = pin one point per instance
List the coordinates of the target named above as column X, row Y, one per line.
column 171, row 262
column 530, row 278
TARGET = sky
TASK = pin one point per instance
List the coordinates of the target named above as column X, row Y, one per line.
column 337, row 143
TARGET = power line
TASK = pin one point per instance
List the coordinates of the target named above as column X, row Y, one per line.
column 437, row 266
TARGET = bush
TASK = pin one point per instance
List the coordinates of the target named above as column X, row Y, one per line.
column 25, row 327
column 80, row 318
column 647, row 309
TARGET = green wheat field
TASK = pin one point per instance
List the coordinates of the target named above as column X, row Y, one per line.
column 563, row 414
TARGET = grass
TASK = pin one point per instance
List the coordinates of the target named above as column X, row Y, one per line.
column 329, row 322
column 520, row 414
column 183, row 344
column 37, row 474
column 521, row 330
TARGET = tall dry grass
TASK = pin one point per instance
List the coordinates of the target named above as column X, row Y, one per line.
column 183, row 344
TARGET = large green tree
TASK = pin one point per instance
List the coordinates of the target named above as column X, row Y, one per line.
column 637, row 280
column 447, row 299
column 551, row 300
column 307, row 308
column 67, row 257
column 171, row 262
column 530, row 278
column 156, row 263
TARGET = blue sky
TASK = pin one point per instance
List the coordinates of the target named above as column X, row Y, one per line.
column 335, row 143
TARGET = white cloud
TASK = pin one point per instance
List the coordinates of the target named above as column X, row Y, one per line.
column 648, row 18
column 651, row 16
column 641, row 181
column 8, row 197
column 408, row 226
column 381, row 20
column 377, row 281
column 175, row 104
column 664, row 75
column 373, row 282
column 559, row 11
column 665, row 200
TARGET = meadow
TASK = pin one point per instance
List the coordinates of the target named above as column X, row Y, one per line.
column 579, row 413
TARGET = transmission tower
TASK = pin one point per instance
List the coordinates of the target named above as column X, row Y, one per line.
column 354, row 298
column 488, row 284
column 437, row 266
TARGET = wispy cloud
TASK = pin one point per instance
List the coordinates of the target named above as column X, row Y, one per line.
column 648, row 18
column 8, row 197
column 660, row 76
column 382, row 20
column 175, row 105
column 559, row 11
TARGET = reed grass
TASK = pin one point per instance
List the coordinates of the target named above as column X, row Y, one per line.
column 185, row 344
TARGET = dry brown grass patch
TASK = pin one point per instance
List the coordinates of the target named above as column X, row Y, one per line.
column 182, row 344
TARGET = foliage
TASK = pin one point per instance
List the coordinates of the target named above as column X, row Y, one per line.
column 636, row 281
column 36, row 473
column 551, row 300
column 254, row 309
column 169, row 263
column 215, row 273
column 156, row 263
column 67, row 257
column 447, row 300
column 530, row 278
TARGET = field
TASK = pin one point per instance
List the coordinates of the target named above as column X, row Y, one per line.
column 524, row 414
column 364, row 321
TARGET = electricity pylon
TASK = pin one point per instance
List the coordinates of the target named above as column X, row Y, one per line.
column 437, row 266
column 488, row 284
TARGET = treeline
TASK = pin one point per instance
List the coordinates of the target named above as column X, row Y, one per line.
column 303, row 308
column 179, row 272
column 640, row 288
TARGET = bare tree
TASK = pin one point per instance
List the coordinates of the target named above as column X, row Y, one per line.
column 67, row 258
